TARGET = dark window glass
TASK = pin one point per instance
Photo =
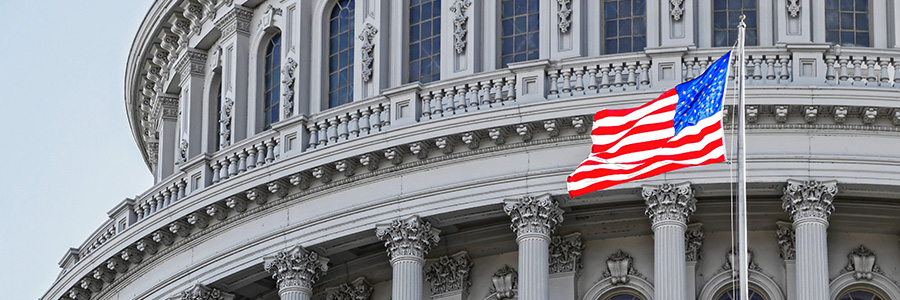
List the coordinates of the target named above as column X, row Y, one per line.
column 424, row 37
column 860, row 295
column 520, row 26
column 847, row 22
column 625, row 26
column 735, row 295
column 271, row 81
column 340, row 54
column 726, row 17
column 625, row 296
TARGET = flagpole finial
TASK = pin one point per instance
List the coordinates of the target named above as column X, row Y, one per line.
column 742, row 24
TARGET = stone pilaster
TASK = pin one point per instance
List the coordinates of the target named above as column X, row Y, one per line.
column 810, row 204
column 785, row 233
column 565, row 262
column 201, row 292
column 669, row 207
column 449, row 276
column 296, row 270
column 359, row 289
column 693, row 242
column 407, row 240
column 533, row 220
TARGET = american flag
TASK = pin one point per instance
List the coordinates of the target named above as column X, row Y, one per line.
column 681, row 128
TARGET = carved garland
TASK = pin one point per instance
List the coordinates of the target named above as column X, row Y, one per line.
column 793, row 7
column 450, row 273
column 368, row 50
column 693, row 241
column 565, row 253
column 288, row 72
column 564, row 14
column 786, row 240
column 225, row 123
column 459, row 24
column 677, row 9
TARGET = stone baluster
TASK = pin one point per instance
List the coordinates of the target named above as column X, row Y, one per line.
column 618, row 81
column 757, row 72
column 407, row 241
column 343, row 128
column 364, row 124
column 857, row 72
column 488, row 97
column 842, row 77
column 896, row 74
column 770, row 68
column 604, row 78
column 696, row 68
column 870, row 72
column 167, row 198
column 688, row 73
column 461, row 99
column 510, row 88
column 785, row 75
column 579, row 81
column 498, row 91
column 233, row 167
column 474, row 100
column 147, row 206
column 224, row 163
column 354, row 123
column 270, row 150
column 333, row 130
column 215, row 170
column 313, row 136
column 533, row 220
column 554, row 82
column 450, row 101
column 829, row 69
column 645, row 74
column 385, row 116
column 669, row 207
column 632, row 76
column 323, row 133
column 426, row 106
column 750, row 71
column 883, row 78
column 260, row 154
column 375, row 118
column 182, row 188
column 251, row 156
column 438, row 106
column 567, row 82
column 242, row 161
column 810, row 204
column 296, row 271
column 592, row 78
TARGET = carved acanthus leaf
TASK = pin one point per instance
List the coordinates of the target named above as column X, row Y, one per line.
column 359, row 289
column 201, row 292
column 410, row 237
column 677, row 9
column 367, row 36
column 565, row 253
column 786, row 240
column 669, row 202
column 811, row 198
column 564, row 14
column 450, row 273
column 460, row 19
column 693, row 241
column 540, row 214
column 296, row 267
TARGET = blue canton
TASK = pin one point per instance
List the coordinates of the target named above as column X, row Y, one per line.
column 702, row 97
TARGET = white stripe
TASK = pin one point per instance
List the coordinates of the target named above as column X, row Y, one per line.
column 688, row 131
column 703, row 123
column 646, row 154
column 637, row 114
column 603, row 139
column 584, row 183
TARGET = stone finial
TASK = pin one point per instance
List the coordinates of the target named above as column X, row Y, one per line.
column 565, row 253
column 296, row 267
column 619, row 266
column 201, row 292
column 410, row 237
column 669, row 202
column 693, row 241
column 504, row 283
column 359, row 289
column 539, row 214
column 805, row 199
column 450, row 274
column 786, row 240
column 861, row 261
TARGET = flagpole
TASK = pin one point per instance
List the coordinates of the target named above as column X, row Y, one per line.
column 742, row 170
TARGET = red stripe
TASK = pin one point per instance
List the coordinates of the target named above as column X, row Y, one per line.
column 609, row 130
column 656, row 144
column 621, row 112
column 646, row 163
column 667, row 168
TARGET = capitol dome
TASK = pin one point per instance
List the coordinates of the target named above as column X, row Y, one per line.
column 418, row 149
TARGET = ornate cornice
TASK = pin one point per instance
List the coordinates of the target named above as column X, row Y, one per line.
column 236, row 20
column 450, row 273
column 809, row 199
column 786, row 240
column 359, row 289
column 565, row 253
column 533, row 215
column 296, row 267
column 408, row 238
column 192, row 62
column 669, row 202
column 693, row 242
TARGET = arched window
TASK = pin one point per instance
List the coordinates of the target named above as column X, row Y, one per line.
column 625, row 26
column 424, row 40
column 847, row 22
column 520, row 37
column 624, row 295
column 726, row 17
column 272, row 80
column 735, row 295
column 861, row 294
column 340, row 53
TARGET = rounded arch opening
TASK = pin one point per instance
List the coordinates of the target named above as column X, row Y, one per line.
column 639, row 288
column 846, row 284
column 721, row 283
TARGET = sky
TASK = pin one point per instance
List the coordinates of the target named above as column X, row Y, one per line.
column 68, row 155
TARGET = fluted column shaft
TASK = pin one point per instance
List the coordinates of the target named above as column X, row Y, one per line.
column 669, row 207
column 812, row 258
column 533, row 220
column 810, row 205
column 294, row 293
column 669, row 265
column 407, row 241
column 534, row 266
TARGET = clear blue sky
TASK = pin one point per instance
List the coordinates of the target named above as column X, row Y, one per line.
column 67, row 155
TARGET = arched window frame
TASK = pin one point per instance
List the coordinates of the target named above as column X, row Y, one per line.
column 337, row 92
column 271, row 79
column 879, row 283
column 725, row 18
column 626, row 292
column 424, row 40
column 519, row 27
column 761, row 282
column 606, row 288
column 636, row 36
column 754, row 292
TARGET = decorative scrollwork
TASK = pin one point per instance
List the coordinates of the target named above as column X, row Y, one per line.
column 459, row 23
column 793, row 8
column 564, row 14
column 368, row 50
column 677, row 9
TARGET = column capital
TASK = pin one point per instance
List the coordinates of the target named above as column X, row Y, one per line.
column 236, row 20
column 358, row 289
column 409, row 238
column 296, row 267
column 565, row 253
column 191, row 63
column 450, row 274
column 669, row 202
column 533, row 215
column 809, row 199
column 693, row 241
column 201, row 292
column 786, row 239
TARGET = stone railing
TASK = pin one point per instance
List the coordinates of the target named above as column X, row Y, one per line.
column 862, row 67
column 103, row 234
column 348, row 122
column 567, row 78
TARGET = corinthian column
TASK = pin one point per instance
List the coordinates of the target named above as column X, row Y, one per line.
column 809, row 203
column 296, row 270
column 533, row 220
column 407, row 241
column 669, row 208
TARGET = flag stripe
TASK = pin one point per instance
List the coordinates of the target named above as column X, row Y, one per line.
column 636, row 152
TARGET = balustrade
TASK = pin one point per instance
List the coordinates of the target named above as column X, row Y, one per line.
column 444, row 99
column 599, row 75
column 353, row 121
column 862, row 67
